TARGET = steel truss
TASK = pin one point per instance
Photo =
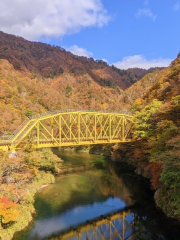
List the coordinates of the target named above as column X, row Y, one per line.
column 71, row 128
column 115, row 226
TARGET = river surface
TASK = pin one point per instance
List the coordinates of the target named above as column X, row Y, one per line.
column 103, row 202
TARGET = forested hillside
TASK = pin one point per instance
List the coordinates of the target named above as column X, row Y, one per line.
column 155, row 151
column 37, row 78
column 51, row 61
column 24, row 94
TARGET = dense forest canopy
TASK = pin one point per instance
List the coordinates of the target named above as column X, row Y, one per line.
column 36, row 78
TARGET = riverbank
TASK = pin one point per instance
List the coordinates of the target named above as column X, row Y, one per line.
column 161, row 168
column 83, row 148
column 26, row 207
column 21, row 177
column 24, row 175
column 163, row 175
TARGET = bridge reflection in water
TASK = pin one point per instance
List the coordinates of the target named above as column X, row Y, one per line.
column 108, row 227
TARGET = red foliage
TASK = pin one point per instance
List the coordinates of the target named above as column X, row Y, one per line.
column 8, row 210
column 156, row 170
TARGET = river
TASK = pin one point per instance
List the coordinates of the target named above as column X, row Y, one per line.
column 102, row 202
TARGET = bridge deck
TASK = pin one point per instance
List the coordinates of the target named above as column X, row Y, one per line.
column 71, row 128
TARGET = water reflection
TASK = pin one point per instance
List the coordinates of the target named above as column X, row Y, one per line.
column 80, row 214
column 112, row 226
column 104, row 203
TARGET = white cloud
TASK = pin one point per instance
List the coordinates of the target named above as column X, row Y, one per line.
column 79, row 51
column 105, row 60
column 50, row 18
column 176, row 7
column 140, row 61
column 146, row 12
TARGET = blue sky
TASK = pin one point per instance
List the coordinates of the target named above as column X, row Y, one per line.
column 126, row 33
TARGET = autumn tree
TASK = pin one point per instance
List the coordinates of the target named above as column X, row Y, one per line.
column 143, row 125
column 8, row 211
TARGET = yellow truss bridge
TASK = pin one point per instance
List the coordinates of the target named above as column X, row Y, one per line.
column 112, row 227
column 71, row 128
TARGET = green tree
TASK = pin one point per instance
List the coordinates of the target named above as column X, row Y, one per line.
column 29, row 113
column 168, row 196
column 68, row 90
column 143, row 120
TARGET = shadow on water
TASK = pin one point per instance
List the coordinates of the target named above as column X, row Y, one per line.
column 80, row 199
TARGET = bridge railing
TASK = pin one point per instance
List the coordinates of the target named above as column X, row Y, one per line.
column 19, row 128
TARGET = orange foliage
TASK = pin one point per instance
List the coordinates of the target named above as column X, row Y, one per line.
column 8, row 211
column 22, row 95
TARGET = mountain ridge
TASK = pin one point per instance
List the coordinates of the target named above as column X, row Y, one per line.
column 51, row 61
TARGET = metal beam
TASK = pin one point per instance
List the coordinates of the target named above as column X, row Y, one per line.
column 72, row 128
